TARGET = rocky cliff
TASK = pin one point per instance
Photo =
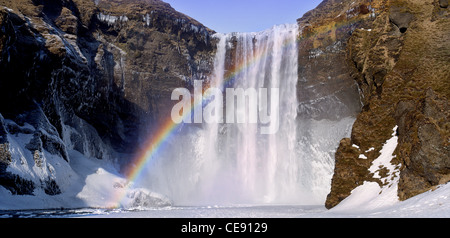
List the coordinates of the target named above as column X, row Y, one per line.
column 323, row 72
column 91, row 76
column 88, row 76
column 399, row 56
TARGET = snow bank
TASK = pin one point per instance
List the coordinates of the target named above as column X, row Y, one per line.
column 429, row 204
column 426, row 205
column 84, row 182
column 370, row 195
column 142, row 199
column 371, row 200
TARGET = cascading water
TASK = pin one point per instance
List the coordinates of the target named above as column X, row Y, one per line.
column 232, row 163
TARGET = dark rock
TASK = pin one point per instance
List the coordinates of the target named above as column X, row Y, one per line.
column 5, row 155
column 324, row 80
column 3, row 131
column 14, row 183
column 443, row 3
column 51, row 187
column 53, row 144
column 91, row 83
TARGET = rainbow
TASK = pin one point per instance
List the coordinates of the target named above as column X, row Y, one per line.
column 158, row 140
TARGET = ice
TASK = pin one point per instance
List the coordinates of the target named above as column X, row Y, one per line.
column 144, row 199
column 146, row 18
column 111, row 20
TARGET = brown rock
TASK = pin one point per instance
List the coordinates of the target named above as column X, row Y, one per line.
column 349, row 172
column 424, row 145
column 67, row 22
column 403, row 83
column 400, row 17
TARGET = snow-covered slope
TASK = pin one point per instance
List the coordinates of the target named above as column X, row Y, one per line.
column 84, row 182
column 429, row 204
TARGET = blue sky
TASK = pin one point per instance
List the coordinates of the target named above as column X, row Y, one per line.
column 243, row 15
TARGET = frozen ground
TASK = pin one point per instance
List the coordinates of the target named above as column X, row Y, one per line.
column 94, row 183
column 430, row 204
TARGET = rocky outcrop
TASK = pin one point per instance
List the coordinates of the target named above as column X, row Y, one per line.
column 325, row 88
column 401, row 66
column 88, row 76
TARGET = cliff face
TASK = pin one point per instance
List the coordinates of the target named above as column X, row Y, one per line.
column 88, row 76
column 323, row 72
column 402, row 68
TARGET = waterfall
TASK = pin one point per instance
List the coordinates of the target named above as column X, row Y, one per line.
column 233, row 163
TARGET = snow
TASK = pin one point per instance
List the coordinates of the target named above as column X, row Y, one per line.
column 8, row 9
column 94, row 180
column 369, row 195
column 362, row 203
column 84, row 182
column 384, row 161
column 366, row 200
column 93, row 188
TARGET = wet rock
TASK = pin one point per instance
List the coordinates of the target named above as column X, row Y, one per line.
column 324, row 79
